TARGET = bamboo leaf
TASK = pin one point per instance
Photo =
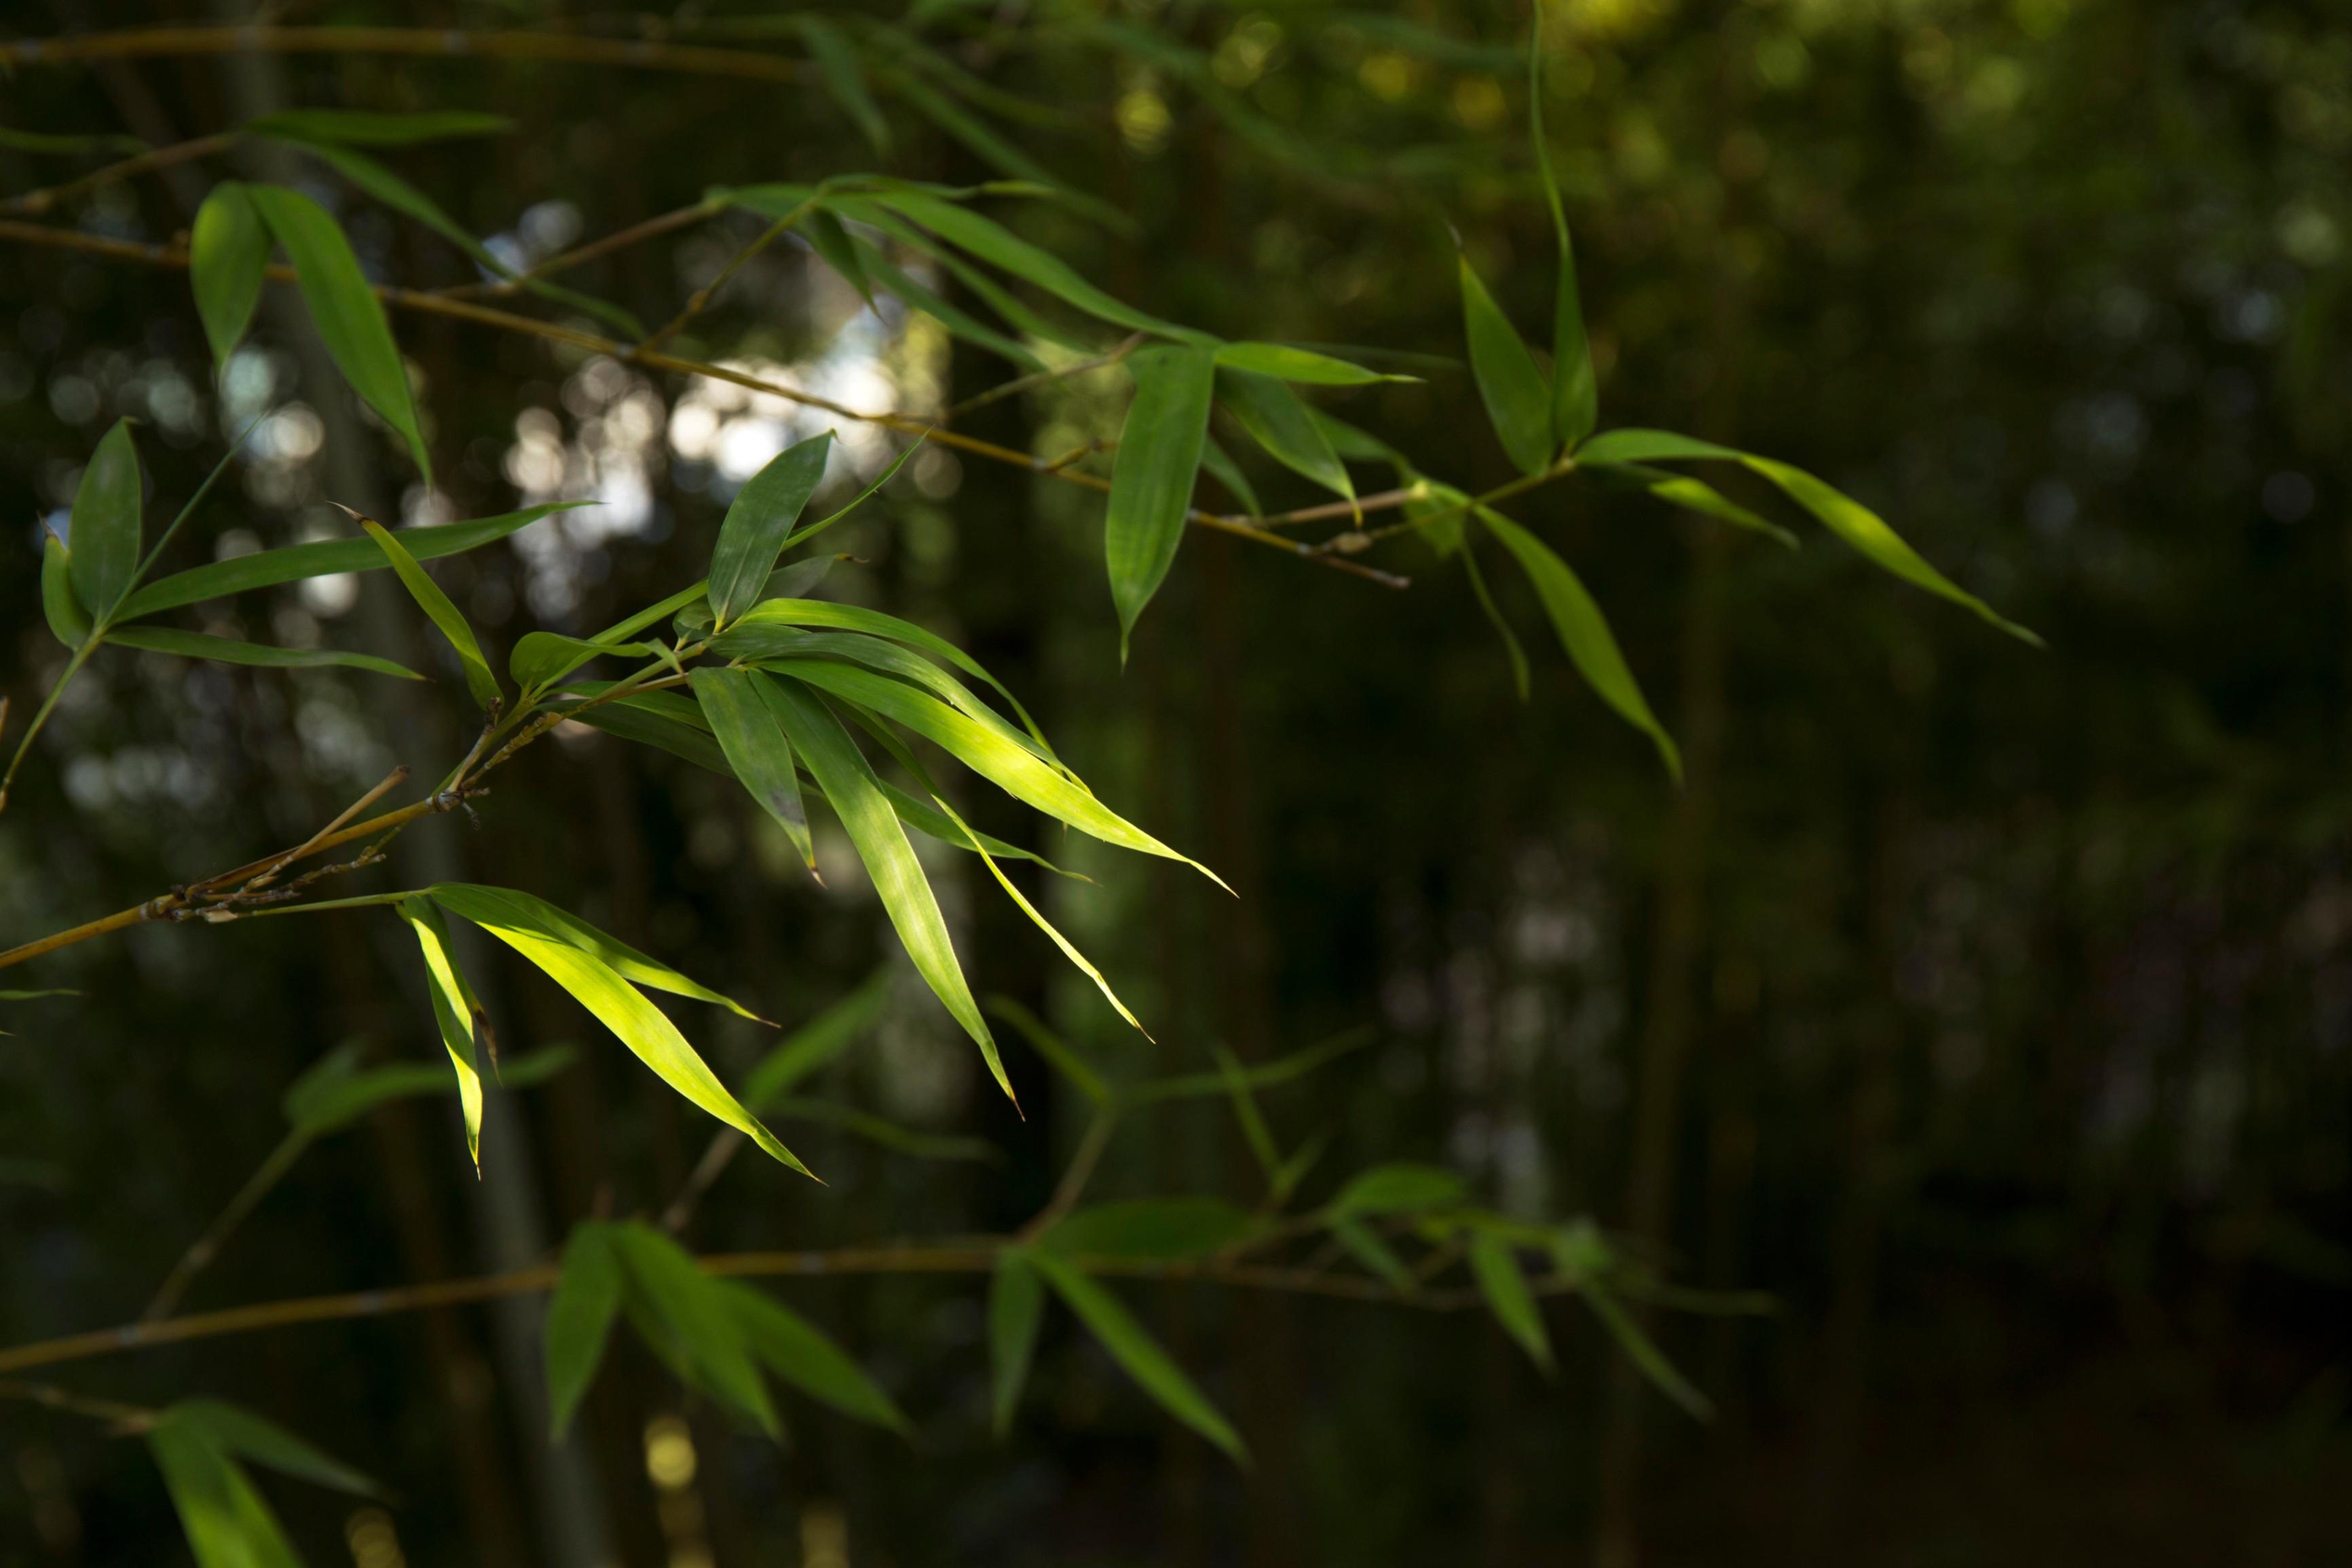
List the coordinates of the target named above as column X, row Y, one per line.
column 455, row 1011
column 795, row 612
column 439, row 611
column 698, row 1317
column 233, row 1429
column 1583, row 632
column 1358, row 446
column 1000, row 247
column 475, row 901
column 361, row 128
column 763, row 643
column 1164, row 1229
column 1690, row 494
column 268, row 568
column 228, row 650
column 816, row 1043
column 1220, row 466
column 1139, row 1354
column 803, row 535
column 636, row 718
column 1398, row 1189
column 832, row 243
column 229, row 258
column 68, row 622
column 927, row 821
column 1644, row 1354
column 1284, row 363
column 337, row 1092
column 1277, row 421
column 848, row 780
column 1056, row 1051
column 349, row 317
column 1016, row 1308
column 888, row 1135
column 1151, row 478
column 1518, row 656
column 1518, row 402
column 1496, row 1268
column 579, row 1320
column 741, row 710
column 844, row 77
column 541, row 658
column 762, row 515
column 1365, row 1246
column 621, row 1008
column 1263, row 1075
column 793, row 1349
column 1575, row 399
column 226, row 1521
column 960, row 324
column 104, row 537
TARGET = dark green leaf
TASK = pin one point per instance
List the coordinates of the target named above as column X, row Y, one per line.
column 1366, row 1246
column 267, row 568
column 1497, row 1269
column 105, row 533
column 579, row 1320
column 1690, row 494
column 1518, row 656
column 542, row 659
column 1221, row 467
column 882, row 271
column 1575, row 400
column 932, row 823
column 831, row 241
column 757, row 523
column 1165, row 1229
column 227, row 650
column 439, row 611
column 1583, row 632
column 236, row 1430
column 360, row 127
column 68, row 622
column 816, row 1043
column 1518, row 402
column 349, row 316
column 790, row 1346
column 888, row 1135
column 1139, row 1354
column 1287, row 363
column 1355, row 445
column 1055, row 1049
column 1644, row 1354
column 1263, row 1075
column 1016, row 1308
column 741, row 708
column 1277, row 421
column 775, row 588
column 1000, row 247
column 764, row 642
column 1398, row 1189
column 698, row 1317
column 455, row 1011
column 228, row 260
column 844, row 77
column 639, row 719
column 1151, row 478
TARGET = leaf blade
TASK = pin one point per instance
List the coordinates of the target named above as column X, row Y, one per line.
column 1151, row 478
column 229, row 650
column 1518, row 404
column 757, row 523
column 579, row 1321
column 439, row 611
column 1139, row 1354
column 1016, row 1309
column 229, row 258
column 104, row 538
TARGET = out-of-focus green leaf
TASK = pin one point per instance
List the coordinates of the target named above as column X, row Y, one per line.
column 699, row 1318
column 1284, row 363
column 1398, row 1189
column 888, row 1135
column 844, row 77
column 622, row 1008
column 1575, row 399
column 227, row 650
column 1366, row 1246
column 105, row 535
column 349, row 317
column 999, row 247
column 983, row 284
column 228, row 260
column 466, row 898
column 439, row 611
column 1583, row 632
column 1496, row 1268
column 579, row 1320
column 1165, row 1229
column 455, row 1011
column 842, row 772
column 816, row 1043
column 542, row 659
column 1151, row 478
column 337, row 1091
column 832, row 242
column 35, row 995
column 1277, row 421
column 740, row 707
column 1139, row 1354
column 1494, row 612
column 233, row 1429
column 1690, row 494
column 1839, row 512
column 1261, row 1075
column 1510, row 384
column 226, row 1521
column 68, row 622
column 1358, row 446
column 1220, row 466
column 791, row 1347
column 1016, row 1307
column 1645, row 1353
column 1056, row 1051
column 69, row 144
column 981, row 140
column 762, row 515
column 958, row 323
column 267, row 568
column 361, row 128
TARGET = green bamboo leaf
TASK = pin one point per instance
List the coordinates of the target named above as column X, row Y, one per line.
column 1284, row 363
column 832, row 243
column 268, row 568
column 886, row 273
column 766, row 642
column 439, row 611
column 36, row 996
column 1164, row 1229
column 983, row 284
column 698, row 1318
column 1016, row 1308
column 803, row 535
column 1518, row 402
column 1690, row 494
column 349, row 316
column 762, row 515
column 1262, row 1075
column 621, row 1008
column 1220, row 466
column 225, row 1518
column 1365, row 1246
column 640, row 720
column 68, row 622
column 455, row 1011
column 999, row 247
column 810, row 1047
column 1584, row 632
column 1013, row 769
column 1356, row 445
column 1259, row 1136
column 848, row 780
column 362, row 128
column 1151, row 478
column 794, row 612
column 1496, row 1268
column 741, row 708
column 1575, row 399
column 229, row 258
column 104, row 536
column 1645, row 1353
column 475, row 901
column 931, row 824
column 984, row 144
column 1139, row 1354
column 1056, row 1051
column 1840, row 513
column 844, row 77
column 1518, row 657
column 1279, row 421
column 579, row 1320
column 70, row 145
column 888, row 1135
column 337, row 1091
column 793, row 1349
column 228, row 650
column 541, row 658
column 235, row 1430
column 1398, row 1189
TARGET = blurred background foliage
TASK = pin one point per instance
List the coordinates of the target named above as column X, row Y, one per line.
column 1988, row 1007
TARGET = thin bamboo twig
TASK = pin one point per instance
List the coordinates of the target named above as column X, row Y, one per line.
column 709, row 291
column 1044, row 377
column 207, row 1247
column 620, row 240
column 42, row 201
column 440, row 43
column 262, row 878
